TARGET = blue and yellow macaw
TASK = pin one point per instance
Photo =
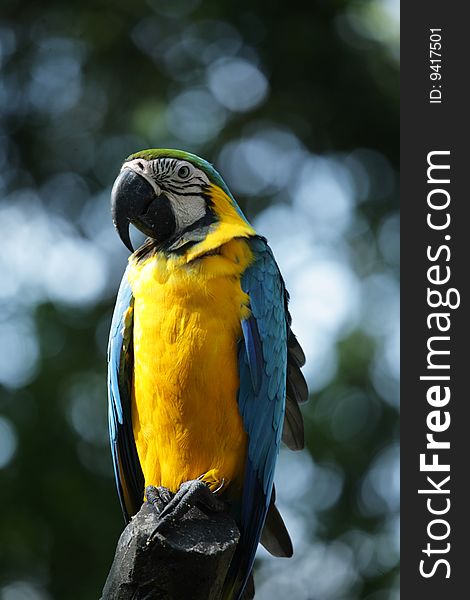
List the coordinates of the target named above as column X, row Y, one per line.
column 204, row 370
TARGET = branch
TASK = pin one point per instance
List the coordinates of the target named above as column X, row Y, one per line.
column 187, row 561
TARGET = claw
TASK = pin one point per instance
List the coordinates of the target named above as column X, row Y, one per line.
column 216, row 491
column 191, row 493
column 158, row 497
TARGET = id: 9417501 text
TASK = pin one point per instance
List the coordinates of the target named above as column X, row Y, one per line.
column 435, row 64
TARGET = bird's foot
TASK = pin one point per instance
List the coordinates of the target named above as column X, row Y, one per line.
column 191, row 493
column 158, row 497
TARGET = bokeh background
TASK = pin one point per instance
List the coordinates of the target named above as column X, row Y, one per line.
column 297, row 106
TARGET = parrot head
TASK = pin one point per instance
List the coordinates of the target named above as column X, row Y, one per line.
column 173, row 197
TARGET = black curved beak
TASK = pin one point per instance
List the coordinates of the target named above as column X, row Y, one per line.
column 131, row 197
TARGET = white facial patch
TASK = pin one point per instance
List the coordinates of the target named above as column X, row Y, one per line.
column 183, row 184
column 187, row 209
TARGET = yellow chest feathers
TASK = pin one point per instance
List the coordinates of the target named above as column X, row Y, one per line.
column 186, row 328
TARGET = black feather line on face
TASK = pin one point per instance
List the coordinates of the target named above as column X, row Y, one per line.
column 179, row 192
column 191, row 235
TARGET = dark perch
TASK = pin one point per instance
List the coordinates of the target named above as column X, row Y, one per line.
column 187, row 560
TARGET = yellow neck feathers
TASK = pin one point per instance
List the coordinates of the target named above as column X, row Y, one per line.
column 230, row 225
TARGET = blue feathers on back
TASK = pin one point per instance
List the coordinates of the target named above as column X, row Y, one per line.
column 261, row 398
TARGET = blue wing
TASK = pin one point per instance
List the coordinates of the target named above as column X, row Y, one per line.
column 127, row 470
column 261, row 399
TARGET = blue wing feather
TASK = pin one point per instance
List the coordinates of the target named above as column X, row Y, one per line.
column 254, row 353
column 127, row 470
column 262, row 370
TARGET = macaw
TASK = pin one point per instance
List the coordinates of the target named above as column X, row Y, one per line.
column 204, row 371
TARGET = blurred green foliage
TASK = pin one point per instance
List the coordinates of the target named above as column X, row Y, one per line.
column 297, row 105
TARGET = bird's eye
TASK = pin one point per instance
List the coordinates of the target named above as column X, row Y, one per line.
column 184, row 172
